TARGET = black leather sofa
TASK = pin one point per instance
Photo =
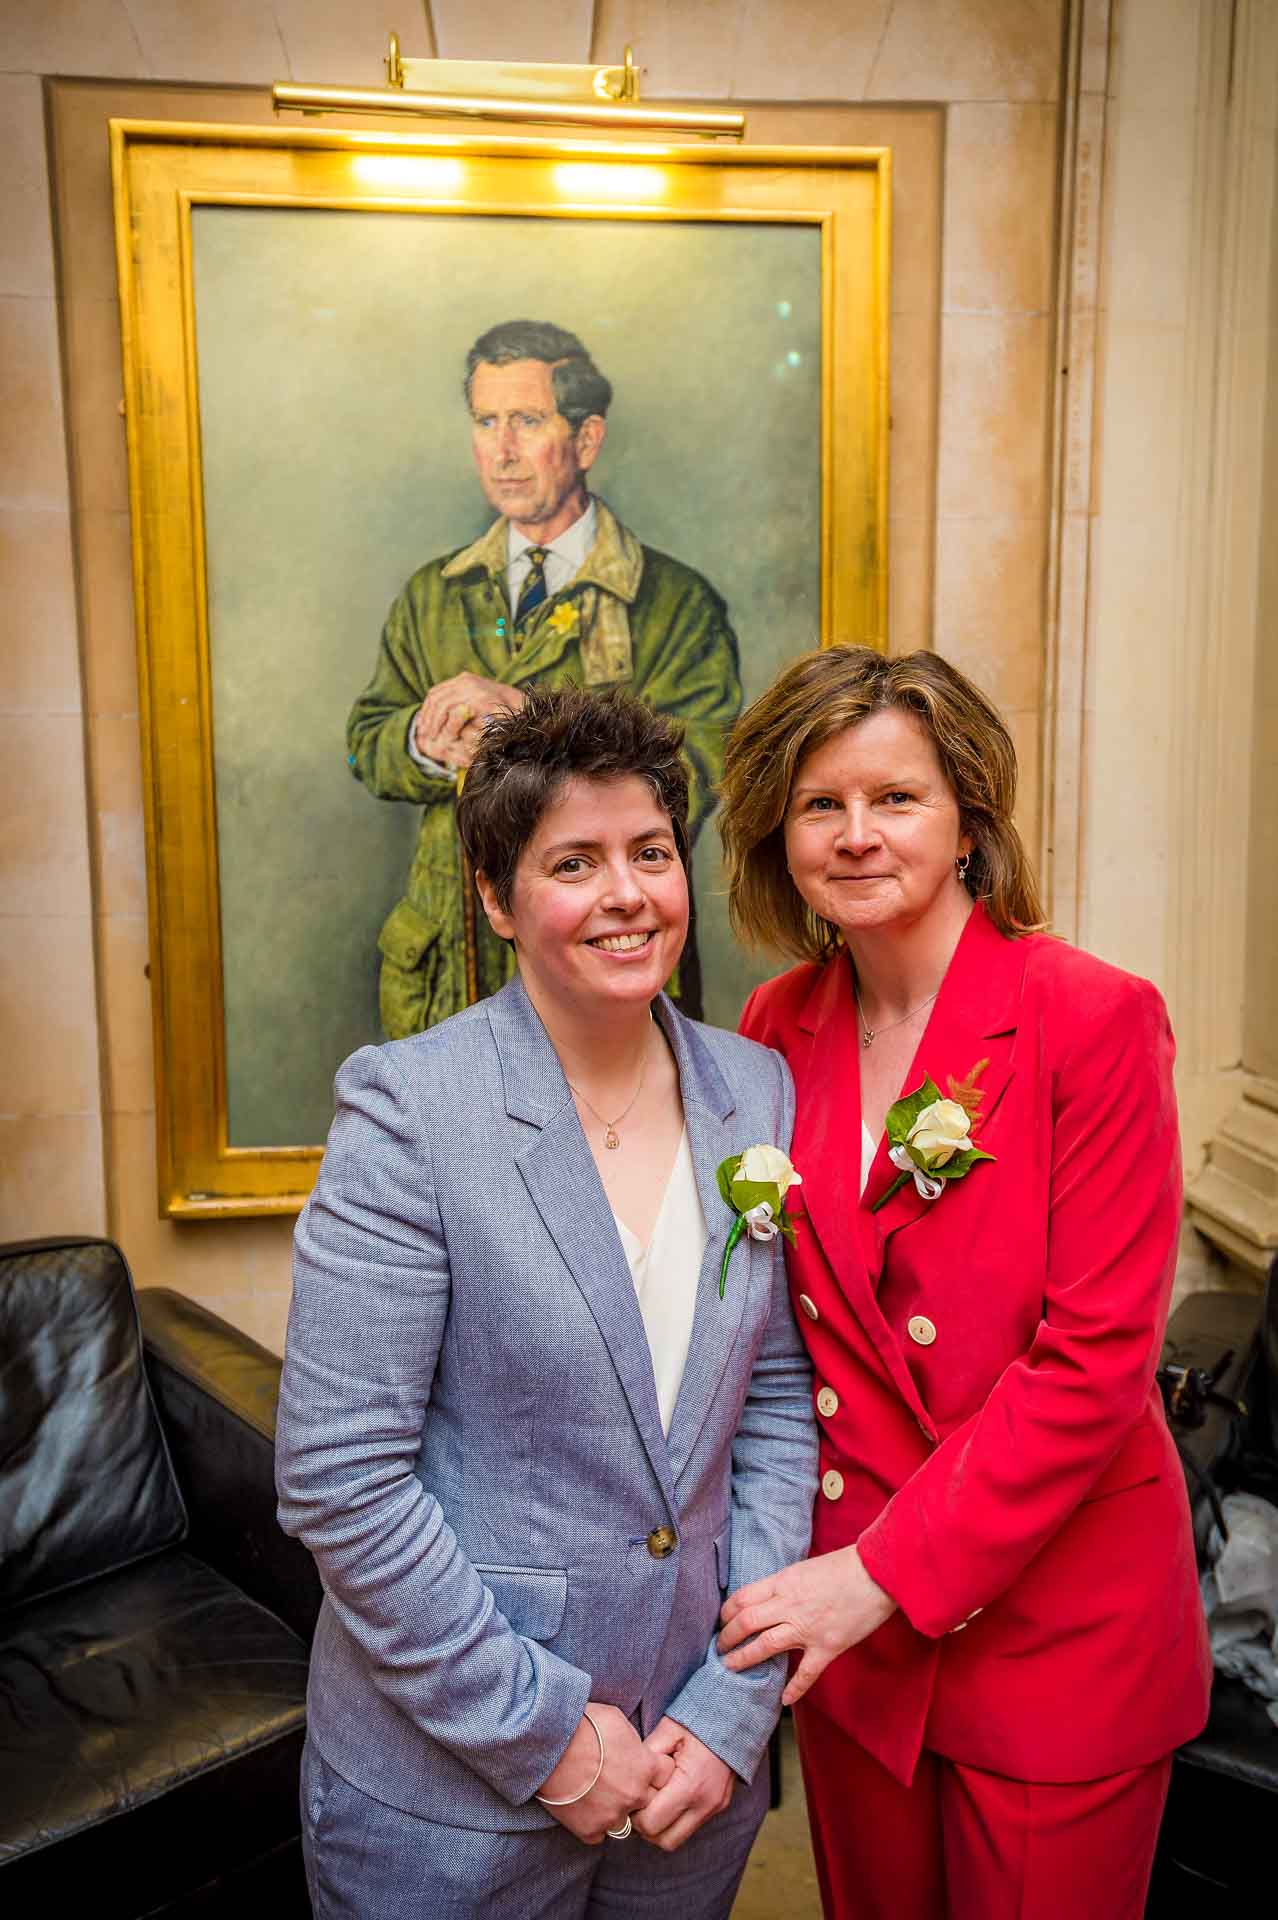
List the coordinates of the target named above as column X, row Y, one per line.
column 1216, row 1857
column 154, row 1621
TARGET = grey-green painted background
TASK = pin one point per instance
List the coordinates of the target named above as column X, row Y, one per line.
column 336, row 459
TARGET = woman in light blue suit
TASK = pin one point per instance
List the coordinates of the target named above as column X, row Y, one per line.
column 528, row 1440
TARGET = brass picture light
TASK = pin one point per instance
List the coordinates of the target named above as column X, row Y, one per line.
column 549, row 94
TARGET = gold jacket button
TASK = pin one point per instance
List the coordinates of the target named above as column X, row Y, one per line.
column 827, row 1402
column 832, row 1484
column 662, row 1541
column 808, row 1306
column 921, row 1330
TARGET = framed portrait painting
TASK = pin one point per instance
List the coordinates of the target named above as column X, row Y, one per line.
column 334, row 344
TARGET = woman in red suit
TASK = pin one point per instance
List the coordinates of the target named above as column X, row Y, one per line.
column 998, row 1638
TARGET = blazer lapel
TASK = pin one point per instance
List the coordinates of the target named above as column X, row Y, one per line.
column 968, row 1048
column 827, row 1153
column 708, row 1106
column 827, row 1131
column 564, row 1185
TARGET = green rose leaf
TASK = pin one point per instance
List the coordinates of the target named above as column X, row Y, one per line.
column 901, row 1116
column 724, row 1177
column 960, row 1163
column 752, row 1193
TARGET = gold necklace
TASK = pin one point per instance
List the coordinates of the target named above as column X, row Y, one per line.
column 612, row 1139
column 870, row 1034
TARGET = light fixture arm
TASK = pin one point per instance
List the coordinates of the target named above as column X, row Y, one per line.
column 540, row 92
column 393, row 64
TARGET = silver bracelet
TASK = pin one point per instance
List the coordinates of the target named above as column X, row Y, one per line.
column 573, row 1798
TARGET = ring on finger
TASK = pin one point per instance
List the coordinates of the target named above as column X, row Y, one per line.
column 620, row 1833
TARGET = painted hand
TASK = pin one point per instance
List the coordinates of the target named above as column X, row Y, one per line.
column 450, row 719
column 449, row 750
column 699, row 1787
column 822, row 1606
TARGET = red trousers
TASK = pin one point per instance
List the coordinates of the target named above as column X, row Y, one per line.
column 964, row 1845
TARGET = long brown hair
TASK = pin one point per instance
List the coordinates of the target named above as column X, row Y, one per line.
column 823, row 694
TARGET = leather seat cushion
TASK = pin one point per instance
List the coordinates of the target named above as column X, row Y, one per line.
column 1222, row 1808
column 150, row 1724
column 85, row 1480
column 1239, row 1740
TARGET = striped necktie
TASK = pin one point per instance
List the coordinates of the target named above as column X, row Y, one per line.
column 533, row 591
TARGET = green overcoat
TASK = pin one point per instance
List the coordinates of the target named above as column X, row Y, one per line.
column 629, row 617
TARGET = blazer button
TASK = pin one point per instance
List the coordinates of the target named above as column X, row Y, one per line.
column 808, row 1306
column 921, row 1330
column 832, row 1484
column 662, row 1541
column 827, row 1402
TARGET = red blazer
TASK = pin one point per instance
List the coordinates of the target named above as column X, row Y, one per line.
column 1012, row 1483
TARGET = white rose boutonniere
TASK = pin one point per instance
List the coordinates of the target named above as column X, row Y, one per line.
column 754, row 1184
column 930, row 1140
column 940, row 1132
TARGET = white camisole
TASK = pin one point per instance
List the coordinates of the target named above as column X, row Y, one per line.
column 665, row 1273
column 869, row 1147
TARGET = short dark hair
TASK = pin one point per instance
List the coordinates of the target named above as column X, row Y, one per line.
column 527, row 755
column 579, row 387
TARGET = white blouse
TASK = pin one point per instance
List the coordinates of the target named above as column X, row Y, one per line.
column 869, row 1147
column 665, row 1273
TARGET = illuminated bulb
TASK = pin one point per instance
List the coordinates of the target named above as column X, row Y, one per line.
column 584, row 177
column 411, row 173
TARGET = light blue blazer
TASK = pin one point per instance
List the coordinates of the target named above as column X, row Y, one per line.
column 469, row 1441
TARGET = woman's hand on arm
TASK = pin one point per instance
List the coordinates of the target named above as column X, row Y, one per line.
column 822, row 1606
column 630, row 1774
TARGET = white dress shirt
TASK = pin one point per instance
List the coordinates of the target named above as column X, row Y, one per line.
column 665, row 1273
column 565, row 555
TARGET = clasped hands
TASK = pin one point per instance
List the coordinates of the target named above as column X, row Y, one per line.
column 671, row 1783
column 667, row 1785
column 450, row 719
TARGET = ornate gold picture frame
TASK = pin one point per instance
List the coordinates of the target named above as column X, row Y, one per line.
column 295, row 310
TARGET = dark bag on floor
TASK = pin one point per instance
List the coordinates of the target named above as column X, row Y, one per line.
column 1211, row 1363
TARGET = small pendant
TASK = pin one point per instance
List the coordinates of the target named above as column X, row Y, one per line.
column 612, row 1139
column 867, row 1038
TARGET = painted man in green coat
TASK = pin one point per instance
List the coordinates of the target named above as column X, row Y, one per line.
column 556, row 590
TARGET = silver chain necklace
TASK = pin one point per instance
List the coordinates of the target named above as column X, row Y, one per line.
column 870, row 1034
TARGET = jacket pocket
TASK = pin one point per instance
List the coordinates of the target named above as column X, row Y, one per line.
column 408, row 946
column 723, row 1557
column 532, row 1598
column 1143, row 1456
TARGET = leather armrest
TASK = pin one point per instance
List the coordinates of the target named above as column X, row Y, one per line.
column 216, row 1391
